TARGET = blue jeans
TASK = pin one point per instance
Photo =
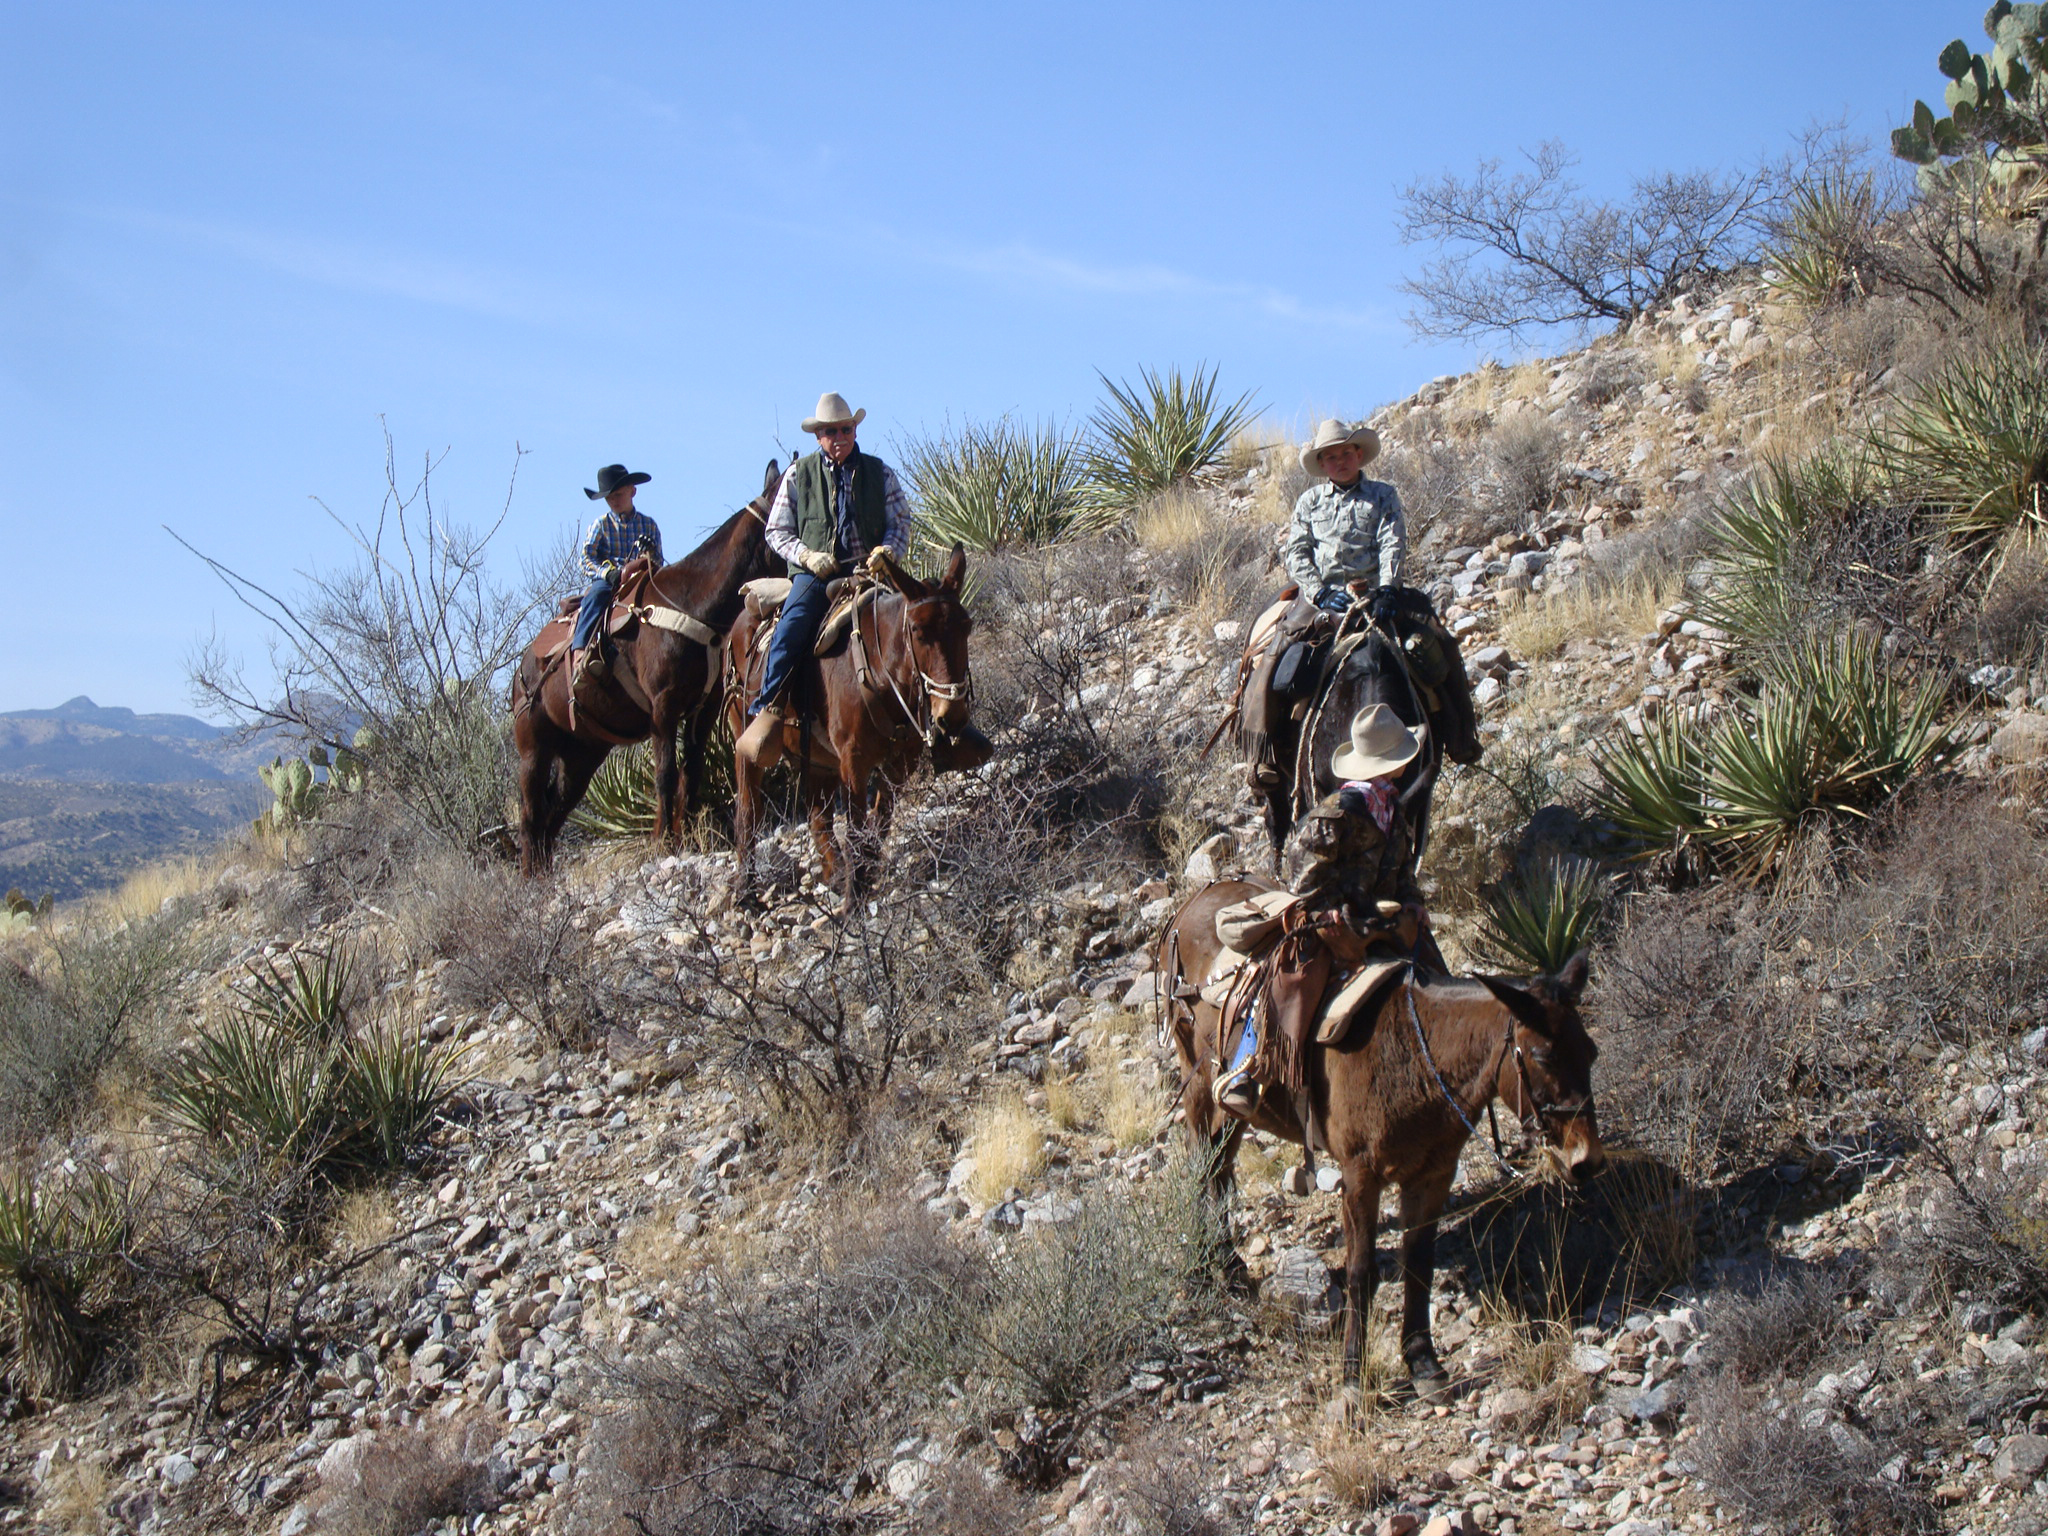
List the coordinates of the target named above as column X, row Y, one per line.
column 796, row 631
column 597, row 602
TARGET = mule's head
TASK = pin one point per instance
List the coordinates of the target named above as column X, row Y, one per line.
column 1546, row 1076
column 938, row 624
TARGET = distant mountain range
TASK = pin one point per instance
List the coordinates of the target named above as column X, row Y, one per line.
column 89, row 793
column 80, row 742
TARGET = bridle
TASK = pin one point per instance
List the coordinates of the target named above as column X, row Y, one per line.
column 1530, row 1110
column 929, row 688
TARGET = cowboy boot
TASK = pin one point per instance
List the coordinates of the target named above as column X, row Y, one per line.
column 761, row 742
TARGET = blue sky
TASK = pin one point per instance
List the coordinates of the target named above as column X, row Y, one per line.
column 232, row 238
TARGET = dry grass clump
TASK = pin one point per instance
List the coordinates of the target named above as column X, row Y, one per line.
column 74, row 1496
column 509, row 942
column 1008, row 1146
column 962, row 1501
column 1358, row 1468
column 1593, row 608
column 1783, row 1326
column 1524, row 460
column 1215, row 563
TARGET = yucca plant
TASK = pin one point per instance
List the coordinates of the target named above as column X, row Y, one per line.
column 1654, row 785
column 308, row 1000
column 1828, row 234
column 60, row 1269
column 999, row 485
column 391, row 1085
column 1168, row 430
column 1973, row 441
column 1833, row 733
column 1770, row 542
column 1543, row 914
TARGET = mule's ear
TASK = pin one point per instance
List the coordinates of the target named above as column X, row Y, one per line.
column 1571, row 979
column 1527, row 1008
column 768, row 480
column 956, row 570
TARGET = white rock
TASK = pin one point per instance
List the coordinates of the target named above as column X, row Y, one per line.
column 177, row 1470
column 1207, row 861
column 907, row 1476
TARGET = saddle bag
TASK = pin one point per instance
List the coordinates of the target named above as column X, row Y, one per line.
column 1301, row 664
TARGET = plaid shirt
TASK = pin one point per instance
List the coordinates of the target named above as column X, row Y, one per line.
column 895, row 533
column 613, row 540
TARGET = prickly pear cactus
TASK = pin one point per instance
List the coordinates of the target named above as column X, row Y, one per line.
column 1997, row 107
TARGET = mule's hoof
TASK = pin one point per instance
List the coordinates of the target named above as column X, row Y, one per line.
column 1431, row 1384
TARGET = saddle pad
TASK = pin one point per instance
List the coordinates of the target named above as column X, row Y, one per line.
column 1341, row 1007
column 1222, row 971
column 1264, row 625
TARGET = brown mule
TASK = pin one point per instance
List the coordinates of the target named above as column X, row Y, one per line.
column 1396, row 1100
column 868, row 710
column 669, row 680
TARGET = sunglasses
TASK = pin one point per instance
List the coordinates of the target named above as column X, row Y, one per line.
column 835, row 432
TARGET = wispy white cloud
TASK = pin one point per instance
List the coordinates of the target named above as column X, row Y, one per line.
column 359, row 268
column 1028, row 265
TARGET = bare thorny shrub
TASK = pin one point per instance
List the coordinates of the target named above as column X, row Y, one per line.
column 402, row 657
column 403, row 1479
column 510, row 943
column 1730, row 1019
column 1805, row 1419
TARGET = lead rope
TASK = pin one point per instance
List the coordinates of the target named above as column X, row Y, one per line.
column 1450, row 1098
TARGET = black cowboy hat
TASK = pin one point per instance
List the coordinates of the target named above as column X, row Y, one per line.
column 610, row 478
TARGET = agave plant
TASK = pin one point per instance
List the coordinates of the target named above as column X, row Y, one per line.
column 1973, row 441
column 1164, row 432
column 1541, row 915
column 999, row 485
column 308, row 1000
column 60, row 1261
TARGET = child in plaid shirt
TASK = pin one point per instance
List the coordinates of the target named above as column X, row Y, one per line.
column 616, row 537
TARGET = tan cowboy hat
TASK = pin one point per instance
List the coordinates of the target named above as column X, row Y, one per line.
column 1330, row 434
column 1380, row 745
column 832, row 411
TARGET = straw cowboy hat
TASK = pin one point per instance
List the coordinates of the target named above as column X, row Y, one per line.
column 1329, row 435
column 610, row 478
column 1380, row 745
column 834, row 411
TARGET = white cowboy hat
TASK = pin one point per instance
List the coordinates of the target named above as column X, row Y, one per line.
column 1330, row 434
column 1380, row 745
column 834, row 411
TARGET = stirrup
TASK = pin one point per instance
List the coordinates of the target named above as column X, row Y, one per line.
column 1236, row 1091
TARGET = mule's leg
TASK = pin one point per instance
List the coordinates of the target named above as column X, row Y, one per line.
column 696, row 740
column 1422, row 1201
column 853, row 788
column 666, row 770
column 536, row 775
column 580, row 760
column 1361, row 1261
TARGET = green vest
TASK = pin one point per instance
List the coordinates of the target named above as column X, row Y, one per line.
column 811, row 491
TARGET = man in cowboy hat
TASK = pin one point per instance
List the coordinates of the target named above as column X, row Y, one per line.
column 834, row 510
column 619, row 534
column 1346, row 529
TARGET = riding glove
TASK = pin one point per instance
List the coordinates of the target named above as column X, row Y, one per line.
column 820, row 564
column 1334, row 599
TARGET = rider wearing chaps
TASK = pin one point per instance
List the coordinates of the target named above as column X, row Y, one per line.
column 834, row 509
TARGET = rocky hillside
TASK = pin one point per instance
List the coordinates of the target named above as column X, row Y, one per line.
column 649, row 1217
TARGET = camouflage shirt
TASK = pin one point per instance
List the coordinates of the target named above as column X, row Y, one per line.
column 1345, row 533
column 1338, row 856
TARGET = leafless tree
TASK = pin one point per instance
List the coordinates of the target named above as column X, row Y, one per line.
column 1526, row 250
column 403, row 657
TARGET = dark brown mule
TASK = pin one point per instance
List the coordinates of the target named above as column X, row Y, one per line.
column 1394, row 1109
column 1377, row 672
column 866, row 711
column 678, row 677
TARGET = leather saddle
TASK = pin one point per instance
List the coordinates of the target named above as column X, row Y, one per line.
column 632, row 589
column 765, row 596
